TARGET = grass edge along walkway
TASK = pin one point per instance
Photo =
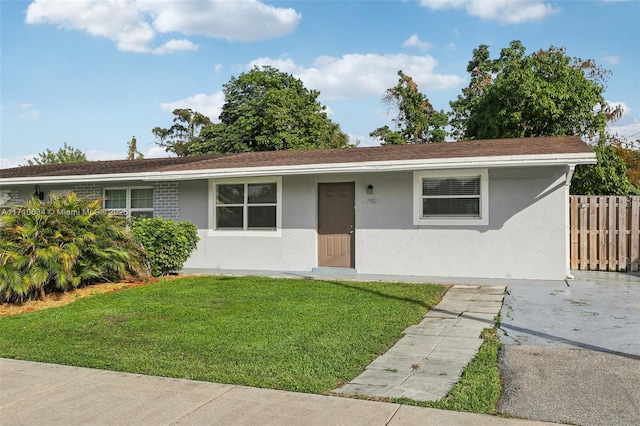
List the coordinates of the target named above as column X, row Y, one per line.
column 478, row 389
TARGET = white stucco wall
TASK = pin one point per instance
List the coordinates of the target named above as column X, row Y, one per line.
column 293, row 249
column 525, row 237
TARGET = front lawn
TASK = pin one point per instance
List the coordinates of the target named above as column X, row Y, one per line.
column 297, row 335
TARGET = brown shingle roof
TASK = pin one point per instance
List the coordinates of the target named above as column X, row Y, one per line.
column 468, row 149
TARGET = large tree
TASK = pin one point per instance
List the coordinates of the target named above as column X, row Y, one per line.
column 266, row 110
column 66, row 154
column 184, row 133
column 546, row 93
column 417, row 121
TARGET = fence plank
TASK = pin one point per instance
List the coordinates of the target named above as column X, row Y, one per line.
column 611, row 229
column 623, row 234
column 593, row 233
column 634, row 230
column 606, row 211
column 574, row 206
column 584, row 259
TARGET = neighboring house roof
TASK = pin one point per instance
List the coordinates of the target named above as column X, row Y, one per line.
column 478, row 153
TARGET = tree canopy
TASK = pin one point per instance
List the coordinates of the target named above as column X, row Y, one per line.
column 264, row 110
column 546, row 93
column 66, row 154
column 417, row 121
column 267, row 110
column 607, row 177
column 631, row 159
column 184, row 134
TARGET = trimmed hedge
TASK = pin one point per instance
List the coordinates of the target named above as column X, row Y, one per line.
column 168, row 242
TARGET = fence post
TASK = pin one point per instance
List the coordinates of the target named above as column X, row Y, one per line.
column 584, row 209
column 634, row 228
column 574, row 208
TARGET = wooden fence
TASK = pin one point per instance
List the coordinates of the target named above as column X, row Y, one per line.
column 605, row 233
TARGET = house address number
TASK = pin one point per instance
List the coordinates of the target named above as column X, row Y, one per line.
column 372, row 200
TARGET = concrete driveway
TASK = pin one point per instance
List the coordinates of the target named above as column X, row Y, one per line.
column 597, row 311
column 572, row 350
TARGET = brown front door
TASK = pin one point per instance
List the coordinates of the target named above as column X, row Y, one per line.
column 336, row 224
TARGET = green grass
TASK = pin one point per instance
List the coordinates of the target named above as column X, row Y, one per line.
column 298, row 335
column 478, row 390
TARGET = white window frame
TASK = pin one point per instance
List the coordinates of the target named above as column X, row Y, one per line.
column 128, row 209
column 419, row 219
column 277, row 232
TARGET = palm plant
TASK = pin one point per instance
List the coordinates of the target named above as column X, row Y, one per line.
column 63, row 244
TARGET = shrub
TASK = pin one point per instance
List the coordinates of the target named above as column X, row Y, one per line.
column 168, row 242
column 63, row 244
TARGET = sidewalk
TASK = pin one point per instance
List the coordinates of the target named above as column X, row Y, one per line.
column 428, row 360
column 47, row 394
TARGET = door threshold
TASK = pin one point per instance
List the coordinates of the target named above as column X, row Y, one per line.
column 334, row 270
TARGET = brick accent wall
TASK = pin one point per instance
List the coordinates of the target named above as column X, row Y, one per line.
column 15, row 198
column 15, row 195
column 88, row 190
column 166, row 200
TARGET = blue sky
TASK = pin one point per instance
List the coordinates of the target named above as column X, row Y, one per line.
column 95, row 73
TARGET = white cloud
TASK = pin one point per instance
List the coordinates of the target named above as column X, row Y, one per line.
column 120, row 21
column 99, row 155
column 362, row 141
column 174, row 46
column 135, row 24
column 209, row 105
column 627, row 126
column 360, row 75
column 218, row 67
column 157, row 152
column 31, row 114
column 23, row 110
column 504, row 11
column 612, row 59
column 11, row 162
column 414, row 41
column 627, row 129
column 625, row 108
column 92, row 155
column 246, row 20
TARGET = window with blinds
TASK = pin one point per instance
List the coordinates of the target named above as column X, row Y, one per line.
column 451, row 197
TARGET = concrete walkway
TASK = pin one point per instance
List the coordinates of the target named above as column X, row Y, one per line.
column 428, row 360
column 46, row 394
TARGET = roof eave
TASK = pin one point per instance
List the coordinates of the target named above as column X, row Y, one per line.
column 324, row 168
